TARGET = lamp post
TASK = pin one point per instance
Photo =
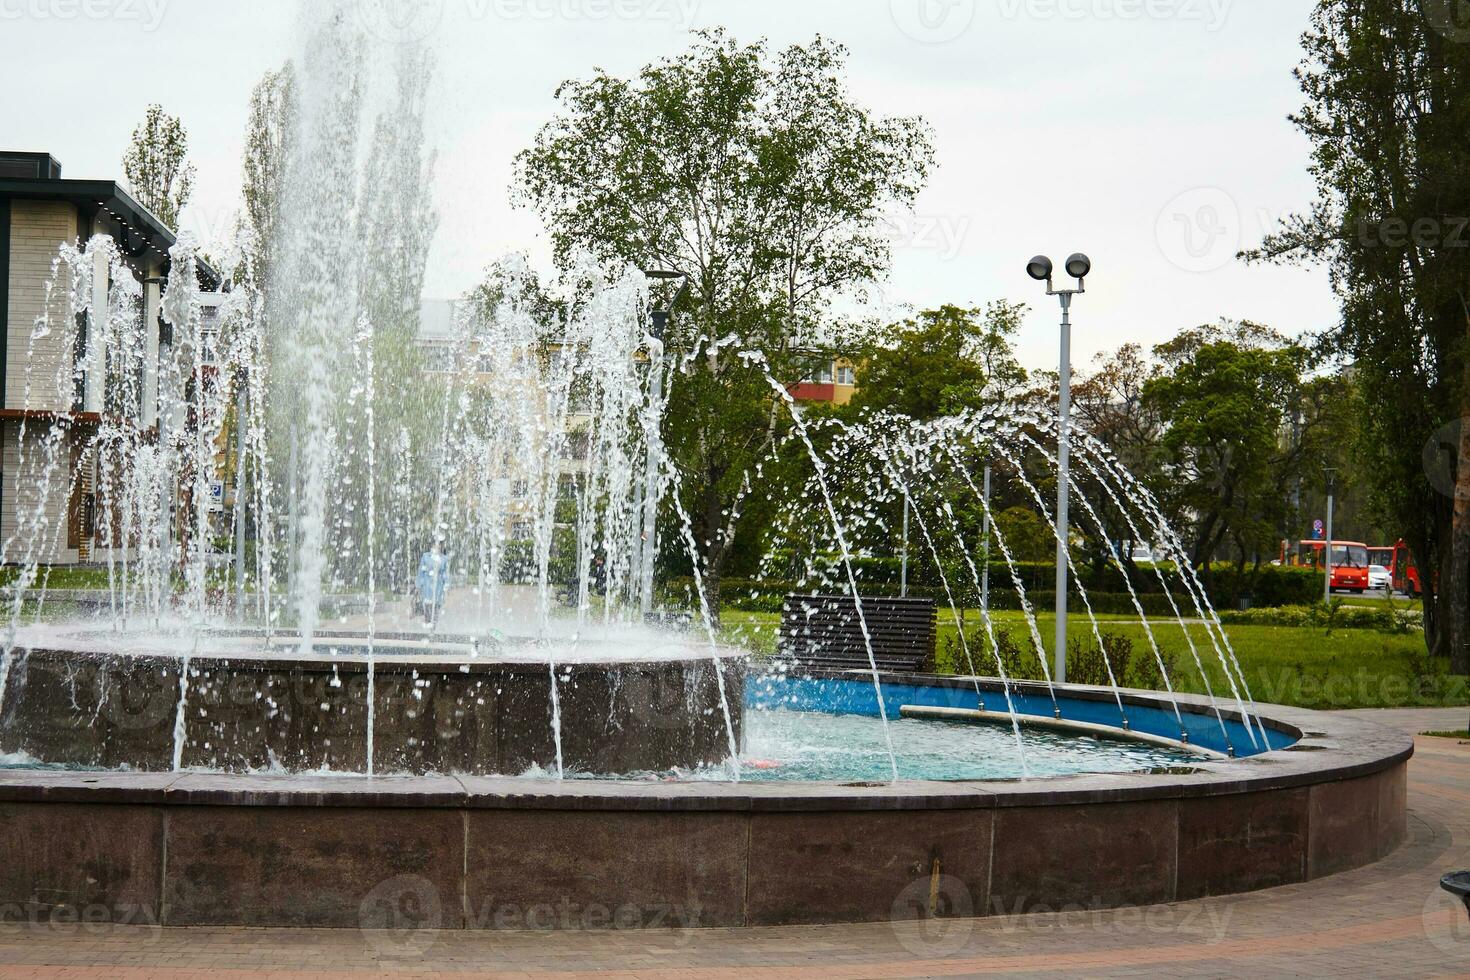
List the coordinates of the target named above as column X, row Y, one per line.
column 1327, row 545
column 242, row 411
column 658, row 326
column 903, row 565
column 1040, row 269
column 985, row 548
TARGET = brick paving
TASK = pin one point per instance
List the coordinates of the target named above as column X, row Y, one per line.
column 1389, row 919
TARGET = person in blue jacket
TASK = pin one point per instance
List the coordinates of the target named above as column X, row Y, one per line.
column 431, row 582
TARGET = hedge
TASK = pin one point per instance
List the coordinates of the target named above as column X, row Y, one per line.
column 768, row 597
column 1335, row 616
column 1271, row 585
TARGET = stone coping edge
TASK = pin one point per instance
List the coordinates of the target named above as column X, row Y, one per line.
column 1330, row 748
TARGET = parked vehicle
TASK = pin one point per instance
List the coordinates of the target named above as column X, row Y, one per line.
column 1405, row 572
column 1400, row 564
column 1349, row 563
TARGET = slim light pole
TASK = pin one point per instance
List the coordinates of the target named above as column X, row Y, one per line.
column 241, row 414
column 1040, row 269
column 1327, row 545
column 985, row 549
column 903, row 567
column 657, row 329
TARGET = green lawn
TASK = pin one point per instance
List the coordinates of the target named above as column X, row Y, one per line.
column 63, row 577
column 1379, row 602
column 1283, row 665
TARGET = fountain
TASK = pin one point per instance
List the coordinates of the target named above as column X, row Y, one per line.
column 277, row 735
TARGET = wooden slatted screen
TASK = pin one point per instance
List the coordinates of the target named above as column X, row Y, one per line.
column 824, row 631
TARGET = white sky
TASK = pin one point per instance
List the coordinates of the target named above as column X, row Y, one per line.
column 1150, row 133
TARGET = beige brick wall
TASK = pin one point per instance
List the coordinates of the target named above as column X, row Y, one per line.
column 37, row 230
column 30, row 491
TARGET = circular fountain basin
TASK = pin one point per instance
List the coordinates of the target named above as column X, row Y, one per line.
column 443, row 704
column 407, row 854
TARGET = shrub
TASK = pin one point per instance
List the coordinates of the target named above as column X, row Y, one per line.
column 1086, row 662
column 1336, row 616
column 1271, row 585
column 1143, row 668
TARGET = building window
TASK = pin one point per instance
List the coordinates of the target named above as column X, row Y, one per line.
column 846, row 375
column 577, row 446
column 820, row 373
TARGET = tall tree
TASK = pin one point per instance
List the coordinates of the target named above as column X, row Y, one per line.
column 760, row 179
column 267, row 157
column 1110, row 403
column 396, row 221
column 1388, row 106
column 1222, row 396
column 940, row 362
column 155, row 165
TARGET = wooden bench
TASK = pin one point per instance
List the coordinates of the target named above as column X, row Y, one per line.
column 824, row 631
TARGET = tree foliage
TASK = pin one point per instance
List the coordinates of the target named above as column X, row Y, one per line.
column 267, row 157
column 1388, row 106
column 941, row 362
column 760, row 179
column 155, row 165
column 1222, row 396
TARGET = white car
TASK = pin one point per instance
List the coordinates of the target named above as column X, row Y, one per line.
column 1379, row 577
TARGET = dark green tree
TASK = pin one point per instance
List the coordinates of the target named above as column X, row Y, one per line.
column 1388, row 108
column 1222, row 396
column 941, row 362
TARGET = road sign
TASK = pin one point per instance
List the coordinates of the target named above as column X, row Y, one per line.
column 1317, row 528
column 217, row 495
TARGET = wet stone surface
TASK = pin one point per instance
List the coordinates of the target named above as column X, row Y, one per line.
column 241, row 715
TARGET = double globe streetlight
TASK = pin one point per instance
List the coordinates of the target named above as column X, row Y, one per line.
column 1040, row 269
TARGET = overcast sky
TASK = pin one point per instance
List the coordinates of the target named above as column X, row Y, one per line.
column 1150, row 133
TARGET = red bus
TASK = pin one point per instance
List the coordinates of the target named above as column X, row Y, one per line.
column 1349, row 563
column 1405, row 572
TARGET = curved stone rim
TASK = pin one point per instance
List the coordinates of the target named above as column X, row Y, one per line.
column 389, row 650
column 1328, row 748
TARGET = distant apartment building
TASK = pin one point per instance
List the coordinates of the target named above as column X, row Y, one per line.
column 830, row 380
column 39, row 211
column 436, row 334
column 441, row 354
